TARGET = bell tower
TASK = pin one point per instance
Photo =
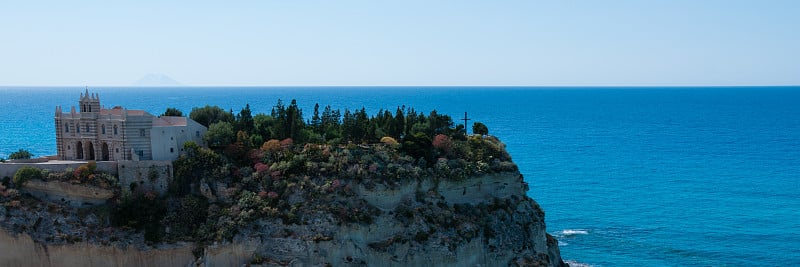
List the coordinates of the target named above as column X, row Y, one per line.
column 89, row 103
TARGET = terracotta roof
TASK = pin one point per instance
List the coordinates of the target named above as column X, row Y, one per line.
column 169, row 121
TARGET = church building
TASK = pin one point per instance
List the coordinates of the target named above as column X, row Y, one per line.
column 101, row 134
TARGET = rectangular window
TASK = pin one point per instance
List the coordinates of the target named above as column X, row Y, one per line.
column 141, row 132
column 171, row 150
column 197, row 133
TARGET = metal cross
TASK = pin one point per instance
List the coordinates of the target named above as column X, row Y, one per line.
column 465, row 119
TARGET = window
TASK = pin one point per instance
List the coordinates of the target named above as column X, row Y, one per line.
column 117, row 150
column 141, row 153
column 115, row 129
column 141, row 132
column 87, row 128
column 103, row 128
column 68, row 148
column 78, row 128
column 197, row 133
column 66, row 127
column 171, row 150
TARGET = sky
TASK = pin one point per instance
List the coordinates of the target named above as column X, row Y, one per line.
column 299, row 42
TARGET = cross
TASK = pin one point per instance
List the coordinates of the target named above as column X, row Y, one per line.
column 465, row 119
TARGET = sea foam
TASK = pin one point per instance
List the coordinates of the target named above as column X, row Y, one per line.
column 572, row 232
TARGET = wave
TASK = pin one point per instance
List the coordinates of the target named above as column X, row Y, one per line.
column 573, row 263
column 572, row 232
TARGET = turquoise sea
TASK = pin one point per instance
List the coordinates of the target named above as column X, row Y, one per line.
column 651, row 176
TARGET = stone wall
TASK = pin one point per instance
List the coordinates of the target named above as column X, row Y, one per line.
column 151, row 174
column 8, row 169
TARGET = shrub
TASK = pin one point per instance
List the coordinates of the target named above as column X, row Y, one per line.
column 21, row 154
column 85, row 171
column 26, row 173
column 388, row 140
column 271, row 146
column 480, row 128
column 288, row 142
column 443, row 143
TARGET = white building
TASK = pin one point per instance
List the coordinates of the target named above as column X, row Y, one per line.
column 96, row 133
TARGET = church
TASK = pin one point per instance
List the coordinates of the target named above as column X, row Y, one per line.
column 101, row 134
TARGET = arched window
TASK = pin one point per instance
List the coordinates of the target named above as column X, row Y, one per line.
column 103, row 127
column 77, row 128
column 66, row 127
column 115, row 129
column 87, row 128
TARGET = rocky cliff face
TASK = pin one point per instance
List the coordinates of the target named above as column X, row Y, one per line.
column 486, row 220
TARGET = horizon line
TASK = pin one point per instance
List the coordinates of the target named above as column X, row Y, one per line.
column 401, row 86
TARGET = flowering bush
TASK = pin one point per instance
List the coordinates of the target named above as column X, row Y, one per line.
column 85, row 172
column 261, row 168
column 443, row 143
column 286, row 143
column 271, row 146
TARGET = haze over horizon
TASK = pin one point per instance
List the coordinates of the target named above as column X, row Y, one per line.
column 361, row 43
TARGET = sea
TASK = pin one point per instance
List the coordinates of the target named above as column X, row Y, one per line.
column 627, row 176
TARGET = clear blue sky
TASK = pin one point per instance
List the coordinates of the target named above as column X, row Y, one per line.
column 295, row 42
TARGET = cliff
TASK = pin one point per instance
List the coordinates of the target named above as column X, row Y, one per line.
column 356, row 206
column 512, row 233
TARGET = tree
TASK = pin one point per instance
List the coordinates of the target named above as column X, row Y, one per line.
column 244, row 120
column 399, row 123
column 196, row 164
column 480, row 128
column 174, row 112
column 263, row 126
column 331, row 120
column 210, row 114
column 294, row 121
column 21, row 154
column 219, row 134
column 316, row 120
column 418, row 145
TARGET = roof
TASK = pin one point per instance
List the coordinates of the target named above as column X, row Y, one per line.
column 169, row 121
column 118, row 111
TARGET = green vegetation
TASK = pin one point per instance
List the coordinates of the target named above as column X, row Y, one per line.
column 26, row 173
column 208, row 115
column 21, row 154
column 480, row 129
column 86, row 174
column 172, row 112
column 142, row 210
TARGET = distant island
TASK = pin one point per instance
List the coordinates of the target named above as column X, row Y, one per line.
column 400, row 188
